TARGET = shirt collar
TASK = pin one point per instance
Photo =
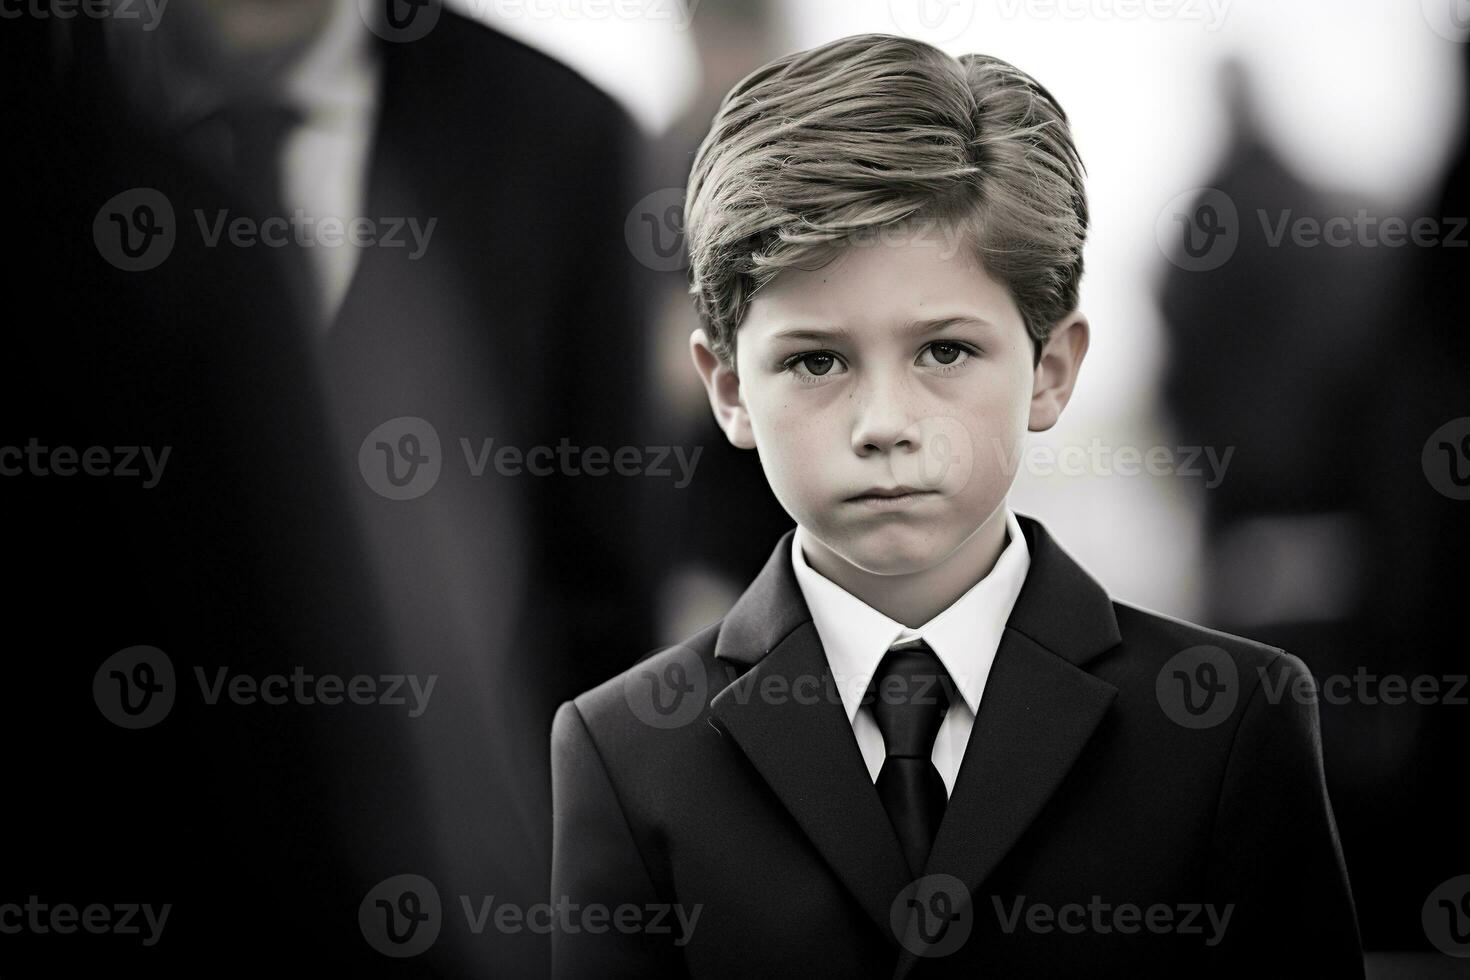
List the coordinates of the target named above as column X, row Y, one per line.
column 338, row 72
column 335, row 72
column 965, row 636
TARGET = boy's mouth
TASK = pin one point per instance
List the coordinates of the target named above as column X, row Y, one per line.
column 889, row 497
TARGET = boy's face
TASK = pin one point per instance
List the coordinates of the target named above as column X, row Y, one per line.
column 887, row 395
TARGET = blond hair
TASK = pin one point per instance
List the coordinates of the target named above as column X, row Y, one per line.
column 875, row 130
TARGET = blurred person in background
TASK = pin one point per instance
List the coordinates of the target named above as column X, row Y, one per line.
column 1328, row 368
column 708, row 560
column 491, row 299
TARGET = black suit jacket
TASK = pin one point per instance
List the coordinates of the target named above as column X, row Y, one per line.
column 258, row 551
column 1080, row 796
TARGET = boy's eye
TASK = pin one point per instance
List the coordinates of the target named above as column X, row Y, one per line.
column 945, row 354
column 818, row 363
column 814, row 364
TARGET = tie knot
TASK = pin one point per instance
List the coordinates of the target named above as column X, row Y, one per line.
column 242, row 141
column 909, row 696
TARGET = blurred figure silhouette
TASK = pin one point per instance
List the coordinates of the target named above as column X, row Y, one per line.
column 268, row 546
column 711, row 558
column 1326, row 368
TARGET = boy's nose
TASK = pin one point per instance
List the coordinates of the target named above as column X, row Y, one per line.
column 884, row 422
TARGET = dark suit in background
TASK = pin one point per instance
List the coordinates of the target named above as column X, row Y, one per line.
column 262, row 549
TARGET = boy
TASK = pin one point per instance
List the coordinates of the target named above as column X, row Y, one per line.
column 925, row 742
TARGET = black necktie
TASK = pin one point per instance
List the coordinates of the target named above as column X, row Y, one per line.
column 909, row 698
column 256, row 133
column 242, row 143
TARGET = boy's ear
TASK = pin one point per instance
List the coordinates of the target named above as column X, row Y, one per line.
column 1056, row 371
column 723, row 386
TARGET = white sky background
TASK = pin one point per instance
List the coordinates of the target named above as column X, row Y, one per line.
column 1356, row 94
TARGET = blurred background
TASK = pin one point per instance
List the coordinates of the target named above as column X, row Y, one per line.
column 1271, row 435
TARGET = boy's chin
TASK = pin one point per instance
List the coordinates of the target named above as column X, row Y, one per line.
column 897, row 551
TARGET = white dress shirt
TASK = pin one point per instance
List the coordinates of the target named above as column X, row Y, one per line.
column 964, row 637
column 335, row 83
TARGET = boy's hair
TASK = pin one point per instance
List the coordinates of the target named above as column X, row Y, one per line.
column 872, row 131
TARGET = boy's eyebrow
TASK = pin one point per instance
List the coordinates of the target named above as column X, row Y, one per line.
column 910, row 329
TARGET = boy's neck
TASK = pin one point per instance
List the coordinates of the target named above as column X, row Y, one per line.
column 914, row 599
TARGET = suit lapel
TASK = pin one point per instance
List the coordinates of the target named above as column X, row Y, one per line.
column 786, row 716
column 1039, row 709
column 1036, row 716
